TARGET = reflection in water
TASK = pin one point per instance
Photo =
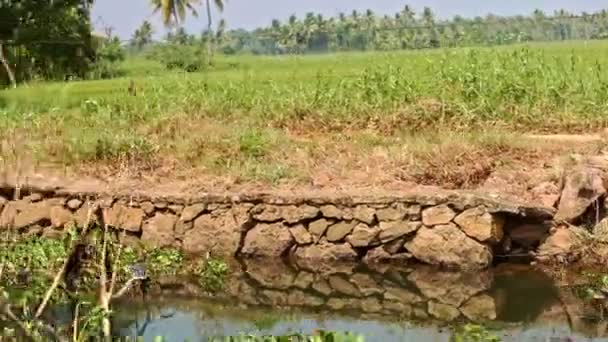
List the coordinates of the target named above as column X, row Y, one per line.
column 391, row 304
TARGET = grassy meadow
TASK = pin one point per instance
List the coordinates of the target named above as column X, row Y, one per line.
column 275, row 118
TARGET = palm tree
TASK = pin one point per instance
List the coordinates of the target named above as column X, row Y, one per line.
column 219, row 4
column 174, row 11
column 143, row 35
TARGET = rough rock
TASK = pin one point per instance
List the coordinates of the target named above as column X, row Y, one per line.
column 546, row 194
column 304, row 280
column 330, row 211
column 600, row 231
column 343, row 286
column 582, row 187
column 560, row 243
column 123, row 217
column 529, row 235
column 391, row 214
column 176, row 209
column 394, row 246
column 275, row 298
column 438, row 215
column 291, row 214
column 301, row 298
column 404, row 310
column 60, row 217
column 74, row 203
column 267, row 240
column 159, row 230
column 218, row 234
column 339, row 303
column 364, row 214
column 481, row 225
column 7, row 217
column 452, row 288
column 402, row 295
column 322, row 286
column 191, row 212
column 379, row 255
column 35, row 197
column 274, row 276
column 413, row 212
column 294, row 214
column 35, row 214
column 340, row 230
column 370, row 305
column 301, row 235
column 366, row 284
column 161, row 205
column 323, row 252
column 443, row 312
column 390, row 231
column 147, row 207
column 318, row 228
column 362, row 235
column 479, row 308
column 448, row 246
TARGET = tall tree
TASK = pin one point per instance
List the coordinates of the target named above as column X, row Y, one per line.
column 219, row 4
column 143, row 35
column 54, row 38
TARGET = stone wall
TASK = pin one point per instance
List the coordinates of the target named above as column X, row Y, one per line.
column 451, row 229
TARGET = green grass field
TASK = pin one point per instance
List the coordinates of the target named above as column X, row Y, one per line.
column 266, row 117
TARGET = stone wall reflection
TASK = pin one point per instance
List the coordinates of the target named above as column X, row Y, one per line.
column 418, row 293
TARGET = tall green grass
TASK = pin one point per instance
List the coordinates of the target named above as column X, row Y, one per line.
column 552, row 86
column 227, row 117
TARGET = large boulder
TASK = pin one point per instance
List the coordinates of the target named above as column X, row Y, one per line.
column 267, row 240
column 582, row 186
column 448, row 246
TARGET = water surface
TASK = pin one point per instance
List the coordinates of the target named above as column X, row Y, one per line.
column 517, row 303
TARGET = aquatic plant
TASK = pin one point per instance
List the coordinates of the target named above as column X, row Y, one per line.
column 212, row 273
column 473, row 333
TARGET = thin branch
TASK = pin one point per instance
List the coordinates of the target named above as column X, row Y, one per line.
column 61, row 273
column 126, row 287
column 75, row 323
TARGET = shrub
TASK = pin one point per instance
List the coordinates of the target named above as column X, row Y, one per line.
column 185, row 57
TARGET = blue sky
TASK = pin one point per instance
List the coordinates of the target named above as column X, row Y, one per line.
column 126, row 15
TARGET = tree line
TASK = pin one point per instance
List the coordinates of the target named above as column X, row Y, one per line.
column 406, row 29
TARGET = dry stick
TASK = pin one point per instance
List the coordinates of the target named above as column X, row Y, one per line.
column 104, row 297
column 61, row 273
column 75, row 323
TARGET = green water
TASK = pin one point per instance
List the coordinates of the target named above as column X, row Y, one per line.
column 515, row 303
